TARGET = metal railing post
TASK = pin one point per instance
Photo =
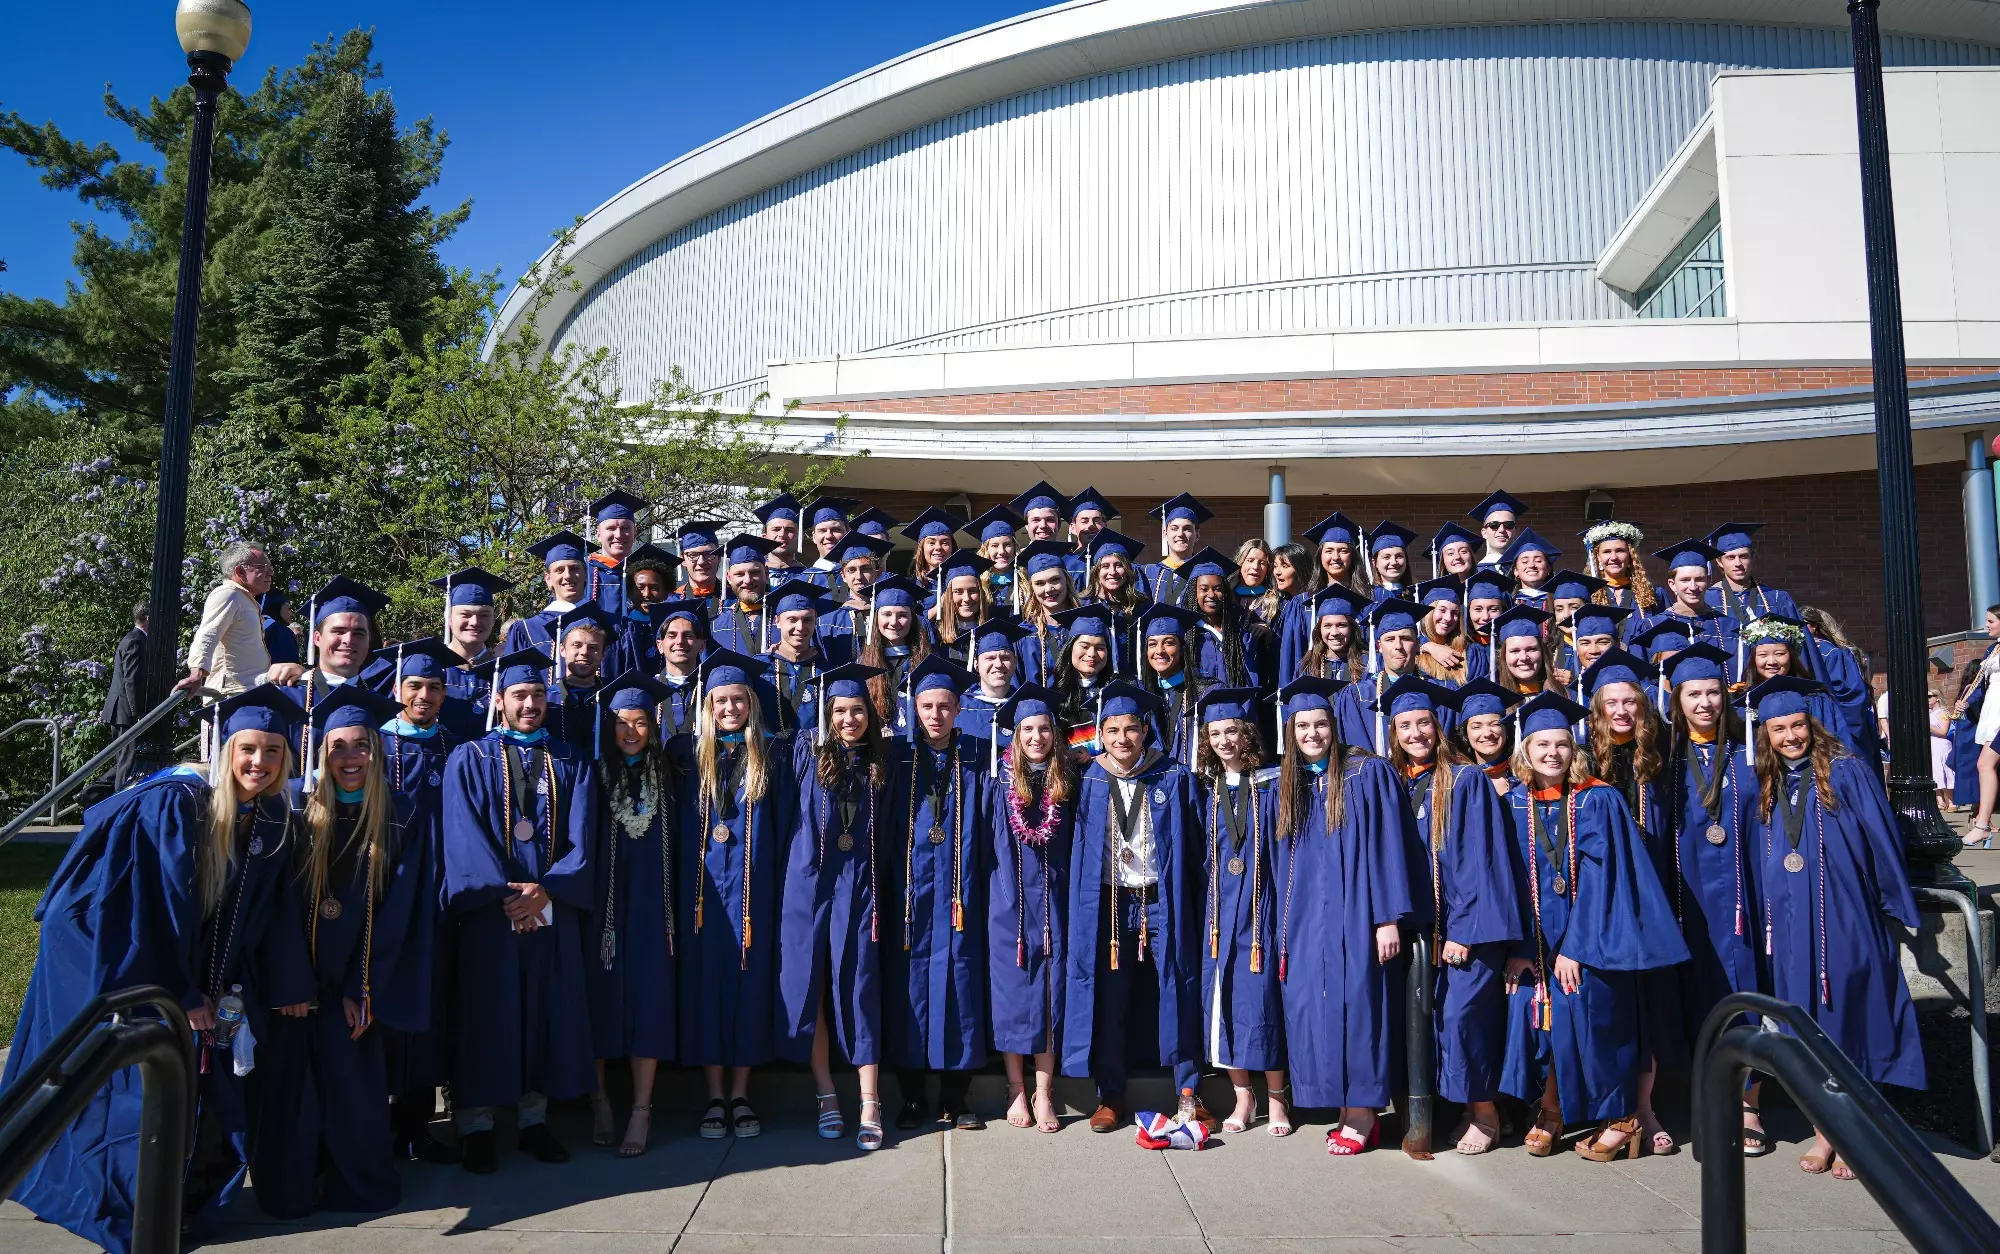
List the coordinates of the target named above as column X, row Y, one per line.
column 98, row 761
column 1975, row 995
column 1420, row 1047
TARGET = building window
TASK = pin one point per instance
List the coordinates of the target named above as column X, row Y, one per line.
column 1688, row 282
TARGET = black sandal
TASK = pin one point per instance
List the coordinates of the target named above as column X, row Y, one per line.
column 742, row 1119
column 1755, row 1143
column 713, row 1126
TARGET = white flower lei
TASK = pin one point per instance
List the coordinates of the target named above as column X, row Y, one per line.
column 633, row 819
column 1612, row 531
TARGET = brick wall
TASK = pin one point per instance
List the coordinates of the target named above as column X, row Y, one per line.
column 1444, row 391
column 1822, row 540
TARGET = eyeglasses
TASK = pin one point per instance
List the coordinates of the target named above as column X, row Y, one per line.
column 1499, row 525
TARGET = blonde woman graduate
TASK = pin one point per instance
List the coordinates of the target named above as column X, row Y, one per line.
column 993, row 531
column 735, row 812
column 1595, row 917
column 629, row 960
column 1031, row 817
column 1531, row 562
column 1611, row 550
column 829, row 963
column 184, row 881
column 961, row 604
column 1050, row 593
column 366, row 885
column 1242, row 1014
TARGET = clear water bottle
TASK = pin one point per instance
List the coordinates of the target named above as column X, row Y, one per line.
column 228, row 1016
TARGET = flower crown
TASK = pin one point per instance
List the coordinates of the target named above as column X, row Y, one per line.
column 1612, row 531
column 1763, row 629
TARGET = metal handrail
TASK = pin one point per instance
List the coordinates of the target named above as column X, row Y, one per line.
column 102, row 758
column 1975, row 1000
column 51, row 1091
column 1420, row 1047
column 55, row 751
column 1930, row 1208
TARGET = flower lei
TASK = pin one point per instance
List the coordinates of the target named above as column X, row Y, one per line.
column 635, row 814
column 1034, row 835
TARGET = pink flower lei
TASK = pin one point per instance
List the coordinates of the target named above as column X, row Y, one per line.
column 1035, row 835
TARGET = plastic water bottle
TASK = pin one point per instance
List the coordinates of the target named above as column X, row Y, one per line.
column 228, row 1016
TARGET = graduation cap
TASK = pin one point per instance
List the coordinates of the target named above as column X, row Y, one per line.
column 1444, row 590
column 1122, row 696
column 857, row 544
column 1183, row 506
column 693, row 609
column 342, row 595
column 1393, row 614
column 1522, row 620
column 1047, row 555
column 1666, row 636
column 1598, row 620
column 522, row 666
column 351, row 705
column 783, row 506
column 1411, row 692
column 634, row 690
column 1086, row 620
column 428, row 658
column 1449, row 534
column 1697, row 661
column 826, row 509
column 1567, row 585
column 616, row 504
column 895, row 590
column 1219, row 705
column 959, row 563
column 1109, row 541
column 1494, row 502
column 1028, row 701
column 849, row 679
column 1488, row 584
column 1550, row 711
column 1164, row 619
column 874, row 522
column 265, row 708
column 1617, row 667
column 1482, row 696
column 1042, row 496
column 994, row 524
column 1686, row 553
column 798, row 594
column 744, row 549
column 1731, row 536
column 274, row 600
column 1088, row 500
column 723, row 667
column 471, row 586
column 938, row 671
column 1335, row 528
column 651, row 554
column 1529, row 542
column 1307, row 692
column 1339, row 599
column 562, row 546
column 932, row 522
column 998, row 635
column 1389, row 534
column 590, row 612
column 1210, row 561
column 1776, row 629
column 698, row 534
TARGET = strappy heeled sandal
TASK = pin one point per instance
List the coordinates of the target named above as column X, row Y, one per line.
column 742, row 1120
column 868, row 1132
column 1233, row 1124
column 1017, row 1094
column 1593, row 1149
column 1540, row 1140
column 714, row 1121
column 831, row 1126
column 638, row 1130
column 601, row 1121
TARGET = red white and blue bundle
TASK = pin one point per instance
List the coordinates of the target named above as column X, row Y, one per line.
column 1164, row 1132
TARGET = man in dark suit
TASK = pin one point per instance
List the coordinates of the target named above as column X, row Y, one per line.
column 121, row 704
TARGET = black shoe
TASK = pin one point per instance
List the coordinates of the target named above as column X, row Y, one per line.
column 477, row 1154
column 968, row 1121
column 426, row 1148
column 542, row 1145
column 911, row 1116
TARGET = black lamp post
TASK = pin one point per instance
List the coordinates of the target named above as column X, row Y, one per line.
column 1928, row 842
column 214, row 34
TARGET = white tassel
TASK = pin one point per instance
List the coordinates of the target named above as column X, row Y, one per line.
column 312, row 630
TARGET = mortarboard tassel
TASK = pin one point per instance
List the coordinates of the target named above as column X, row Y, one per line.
column 312, row 631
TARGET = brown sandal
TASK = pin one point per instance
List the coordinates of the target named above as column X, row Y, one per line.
column 1541, row 1139
column 1628, row 1148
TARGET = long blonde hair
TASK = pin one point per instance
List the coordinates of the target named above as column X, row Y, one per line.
column 1579, row 763
column 946, row 618
column 374, row 832
column 216, row 856
column 757, row 759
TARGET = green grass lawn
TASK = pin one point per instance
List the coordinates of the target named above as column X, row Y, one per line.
column 24, row 873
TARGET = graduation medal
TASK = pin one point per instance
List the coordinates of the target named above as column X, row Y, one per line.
column 1795, row 862
column 1717, row 836
column 329, row 908
column 845, row 842
column 1561, row 885
column 1236, row 866
column 937, row 833
column 256, row 846
column 720, row 833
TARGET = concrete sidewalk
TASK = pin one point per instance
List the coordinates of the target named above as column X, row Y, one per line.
column 1011, row 1190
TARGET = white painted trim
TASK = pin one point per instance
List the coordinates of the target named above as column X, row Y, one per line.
column 1678, row 197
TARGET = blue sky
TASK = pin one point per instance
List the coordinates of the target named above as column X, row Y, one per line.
column 547, row 119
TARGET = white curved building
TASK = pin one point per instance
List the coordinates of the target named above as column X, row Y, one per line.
column 1353, row 248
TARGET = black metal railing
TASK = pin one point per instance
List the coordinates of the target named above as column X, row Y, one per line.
column 103, row 1039
column 1420, row 1049
column 63, row 789
column 1931, row 1210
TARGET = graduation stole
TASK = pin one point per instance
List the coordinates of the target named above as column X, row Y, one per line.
column 1247, row 789
column 937, row 837
column 1539, row 842
column 1124, row 820
column 509, row 825
column 721, row 836
column 1733, row 601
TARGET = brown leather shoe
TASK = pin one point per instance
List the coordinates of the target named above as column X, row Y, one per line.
column 1106, row 1118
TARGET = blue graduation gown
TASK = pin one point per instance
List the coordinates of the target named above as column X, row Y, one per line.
column 574, row 717
column 607, row 584
column 975, row 717
column 1040, row 653
column 1617, row 923
column 1165, row 583
column 1174, row 727
column 1965, row 749
column 1174, row 912
column 1358, row 725
column 1758, row 603
column 321, row 1093
column 1711, row 885
column 1475, row 904
column 124, row 909
column 747, row 631
column 1027, row 910
column 1848, row 690
column 831, row 937
column 1243, row 1018
column 793, row 699
column 728, row 964
column 628, row 949
column 523, row 1021
column 1711, row 627
column 1259, row 655
column 676, row 715
column 1336, row 885
column 280, row 642
column 934, row 964
column 1661, row 1036
column 466, row 699
column 417, row 1059
column 1826, row 938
